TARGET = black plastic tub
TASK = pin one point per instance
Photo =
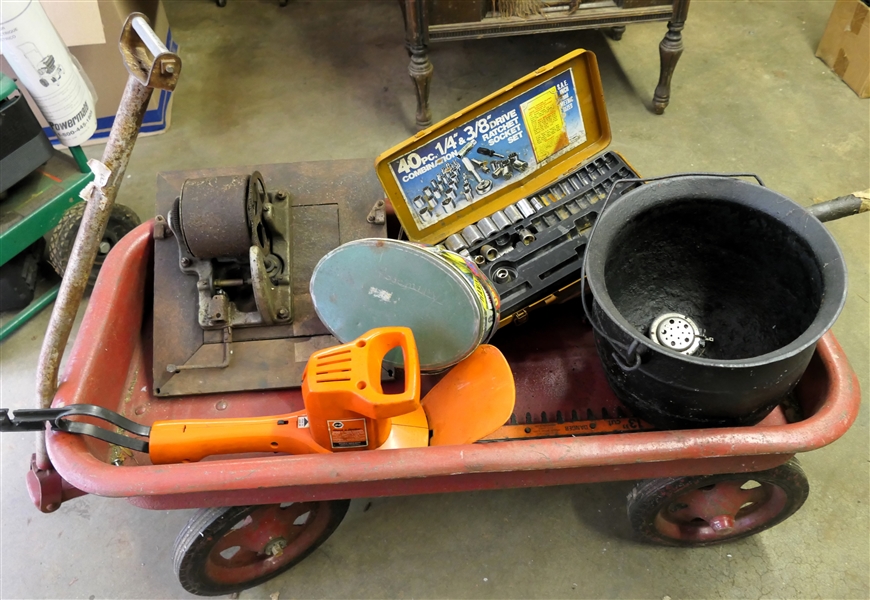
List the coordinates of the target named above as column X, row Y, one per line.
column 749, row 267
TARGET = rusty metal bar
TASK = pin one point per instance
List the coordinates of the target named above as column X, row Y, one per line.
column 147, row 71
column 131, row 111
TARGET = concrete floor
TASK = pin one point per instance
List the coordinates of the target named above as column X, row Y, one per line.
column 326, row 80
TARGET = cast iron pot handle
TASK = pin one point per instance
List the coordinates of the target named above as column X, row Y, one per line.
column 627, row 356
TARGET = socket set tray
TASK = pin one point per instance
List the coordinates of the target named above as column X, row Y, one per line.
column 535, row 246
column 514, row 181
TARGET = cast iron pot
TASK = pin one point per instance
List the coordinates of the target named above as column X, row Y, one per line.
column 757, row 273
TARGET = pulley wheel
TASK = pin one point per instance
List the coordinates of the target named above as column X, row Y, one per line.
column 214, row 216
column 257, row 198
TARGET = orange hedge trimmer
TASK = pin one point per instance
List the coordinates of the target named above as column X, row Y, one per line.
column 346, row 409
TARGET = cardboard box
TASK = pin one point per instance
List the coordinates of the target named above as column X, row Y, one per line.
column 845, row 46
column 95, row 44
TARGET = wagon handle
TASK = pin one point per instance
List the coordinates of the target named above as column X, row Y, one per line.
column 35, row 419
column 150, row 65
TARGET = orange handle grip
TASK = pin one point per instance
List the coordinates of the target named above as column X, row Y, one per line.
column 350, row 375
column 342, row 389
column 194, row 439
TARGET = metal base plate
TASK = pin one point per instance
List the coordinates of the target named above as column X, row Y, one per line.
column 330, row 200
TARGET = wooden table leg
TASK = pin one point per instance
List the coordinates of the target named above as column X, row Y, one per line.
column 615, row 32
column 420, row 69
column 670, row 50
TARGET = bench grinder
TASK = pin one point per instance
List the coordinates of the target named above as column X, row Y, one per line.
column 232, row 261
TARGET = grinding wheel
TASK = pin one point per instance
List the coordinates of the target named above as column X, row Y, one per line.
column 214, row 216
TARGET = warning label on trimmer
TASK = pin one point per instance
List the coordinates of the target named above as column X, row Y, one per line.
column 350, row 433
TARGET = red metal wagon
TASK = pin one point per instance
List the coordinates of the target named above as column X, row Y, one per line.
column 260, row 515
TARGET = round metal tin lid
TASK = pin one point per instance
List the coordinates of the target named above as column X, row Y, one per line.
column 379, row 283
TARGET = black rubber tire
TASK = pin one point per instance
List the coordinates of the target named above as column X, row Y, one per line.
column 192, row 554
column 61, row 239
column 651, row 500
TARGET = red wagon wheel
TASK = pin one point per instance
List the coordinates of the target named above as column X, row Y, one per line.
column 710, row 509
column 226, row 550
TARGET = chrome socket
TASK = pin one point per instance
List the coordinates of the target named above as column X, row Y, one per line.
column 479, row 259
column 489, row 252
column 472, row 235
column 503, row 172
column 501, row 275
column 537, row 204
column 525, row 208
column 481, row 164
column 513, row 213
column 456, row 243
column 487, row 227
column 500, row 219
column 527, row 236
column 517, row 163
column 466, row 148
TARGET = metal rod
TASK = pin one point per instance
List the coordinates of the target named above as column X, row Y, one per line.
column 80, row 158
column 116, row 155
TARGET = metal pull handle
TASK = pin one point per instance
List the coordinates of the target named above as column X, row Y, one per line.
column 679, row 175
column 147, row 35
column 147, row 72
column 724, row 175
column 35, row 420
column 146, row 56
